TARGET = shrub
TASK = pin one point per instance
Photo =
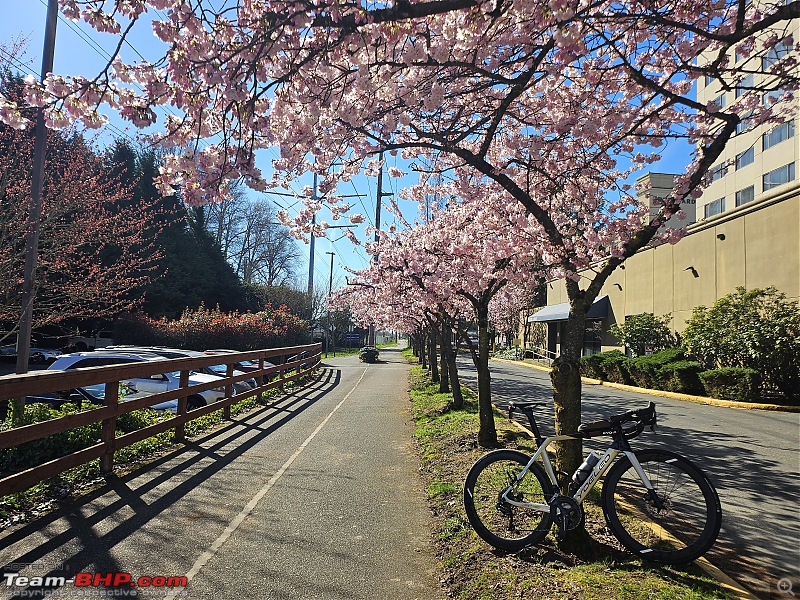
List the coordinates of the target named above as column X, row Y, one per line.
column 608, row 366
column 592, row 366
column 646, row 371
column 644, row 332
column 756, row 329
column 36, row 452
column 732, row 383
column 206, row 328
column 682, row 376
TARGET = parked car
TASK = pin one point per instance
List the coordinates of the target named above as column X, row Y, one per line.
column 91, row 340
column 218, row 370
column 95, row 394
column 245, row 366
column 36, row 355
column 158, row 382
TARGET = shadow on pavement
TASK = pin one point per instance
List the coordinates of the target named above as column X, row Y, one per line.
column 93, row 554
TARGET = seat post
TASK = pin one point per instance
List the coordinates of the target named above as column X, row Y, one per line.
column 534, row 426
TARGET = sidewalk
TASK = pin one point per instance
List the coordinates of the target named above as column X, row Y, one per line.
column 315, row 498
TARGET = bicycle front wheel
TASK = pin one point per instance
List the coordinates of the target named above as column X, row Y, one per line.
column 680, row 525
column 503, row 525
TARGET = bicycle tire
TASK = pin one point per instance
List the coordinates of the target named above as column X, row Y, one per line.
column 687, row 525
column 512, row 528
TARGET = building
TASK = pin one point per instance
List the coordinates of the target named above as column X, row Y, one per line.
column 745, row 231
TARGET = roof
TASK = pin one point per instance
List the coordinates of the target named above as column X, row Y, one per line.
column 560, row 312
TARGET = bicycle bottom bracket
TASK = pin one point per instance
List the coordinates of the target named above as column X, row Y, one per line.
column 566, row 512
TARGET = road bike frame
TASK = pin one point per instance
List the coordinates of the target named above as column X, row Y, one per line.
column 598, row 471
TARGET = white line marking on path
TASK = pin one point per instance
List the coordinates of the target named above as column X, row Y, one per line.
column 238, row 519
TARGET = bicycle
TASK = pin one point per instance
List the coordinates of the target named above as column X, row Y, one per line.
column 656, row 503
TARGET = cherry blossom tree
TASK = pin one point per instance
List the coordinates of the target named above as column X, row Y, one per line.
column 96, row 249
column 550, row 103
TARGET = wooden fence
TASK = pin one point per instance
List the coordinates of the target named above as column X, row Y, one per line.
column 293, row 363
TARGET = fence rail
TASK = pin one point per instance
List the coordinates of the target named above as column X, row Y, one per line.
column 293, row 363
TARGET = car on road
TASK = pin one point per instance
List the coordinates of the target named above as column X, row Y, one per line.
column 156, row 383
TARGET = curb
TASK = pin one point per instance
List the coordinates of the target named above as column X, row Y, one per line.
column 671, row 395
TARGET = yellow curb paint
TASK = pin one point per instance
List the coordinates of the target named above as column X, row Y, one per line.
column 671, row 395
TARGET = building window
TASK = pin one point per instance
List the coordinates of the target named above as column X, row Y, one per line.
column 780, row 133
column 784, row 174
column 720, row 101
column 716, row 172
column 745, row 158
column 592, row 340
column 715, row 207
column 746, row 195
column 745, row 123
column 709, row 80
column 775, row 54
column 745, row 85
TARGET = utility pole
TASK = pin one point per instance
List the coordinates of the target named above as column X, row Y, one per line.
column 311, row 254
column 330, row 290
column 378, row 200
column 37, row 183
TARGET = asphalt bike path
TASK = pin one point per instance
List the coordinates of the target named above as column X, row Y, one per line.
column 751, row 457
column 317, row 497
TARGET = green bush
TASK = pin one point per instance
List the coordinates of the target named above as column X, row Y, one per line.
column 29, row 454
column 756, row 329
column 646, row 371
column 644, row 333
column 732, row 383
column 592, row 366
column 682, row 376
column 608, row 366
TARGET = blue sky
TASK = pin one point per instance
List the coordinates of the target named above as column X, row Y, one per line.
column 82, row 51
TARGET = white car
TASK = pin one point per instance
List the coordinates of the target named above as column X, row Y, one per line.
column 218, row 370
column 36, row 356
column 159, row 382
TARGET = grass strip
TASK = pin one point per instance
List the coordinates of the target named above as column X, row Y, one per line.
column 446, row 440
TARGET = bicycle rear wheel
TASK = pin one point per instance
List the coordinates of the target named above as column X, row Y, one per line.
column 505, row 526
column 683, row 528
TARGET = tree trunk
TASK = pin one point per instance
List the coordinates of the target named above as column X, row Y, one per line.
column 450, row 361
column 433, row 357
column 444, row 383
column 423, row 355
column 566, row 379
column 487, row 434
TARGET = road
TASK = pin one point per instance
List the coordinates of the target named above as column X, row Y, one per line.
column 316, row 497
column 753, row 458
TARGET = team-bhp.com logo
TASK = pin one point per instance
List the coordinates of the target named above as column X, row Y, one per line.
column 97, row 580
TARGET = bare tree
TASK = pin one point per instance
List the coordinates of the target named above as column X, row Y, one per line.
column 257, row 246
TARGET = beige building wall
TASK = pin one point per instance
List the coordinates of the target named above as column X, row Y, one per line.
column 756, row 245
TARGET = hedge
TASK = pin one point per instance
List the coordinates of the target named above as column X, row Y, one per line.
column 732, row 383
column 665, row 370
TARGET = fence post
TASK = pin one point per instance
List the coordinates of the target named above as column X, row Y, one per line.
column 226, row 411
column 109, row 427
column 180, row 430
column 260, row 379
column 280, row 372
